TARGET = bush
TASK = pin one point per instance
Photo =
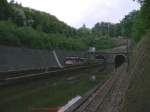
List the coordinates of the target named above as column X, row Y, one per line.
column 104, row 43
column 7, row 34
column 26, row 36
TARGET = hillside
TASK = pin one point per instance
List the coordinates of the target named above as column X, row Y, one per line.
column 25, row 27
column 138, row 95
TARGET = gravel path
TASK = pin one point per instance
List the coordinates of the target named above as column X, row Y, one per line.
column 109, row 96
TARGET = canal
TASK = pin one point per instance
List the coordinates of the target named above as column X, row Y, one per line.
column 53, row 92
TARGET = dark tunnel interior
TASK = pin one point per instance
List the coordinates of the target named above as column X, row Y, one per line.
column 100, row 57
column 119, row 60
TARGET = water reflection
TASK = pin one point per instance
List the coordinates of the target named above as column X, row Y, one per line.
column 50, row 93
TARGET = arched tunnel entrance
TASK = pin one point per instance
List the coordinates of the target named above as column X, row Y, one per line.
column 119, row 60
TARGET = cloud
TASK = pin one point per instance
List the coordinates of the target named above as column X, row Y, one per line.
column 110, row 11
column 78, row 12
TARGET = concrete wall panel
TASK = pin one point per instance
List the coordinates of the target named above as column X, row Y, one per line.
column 13, row 58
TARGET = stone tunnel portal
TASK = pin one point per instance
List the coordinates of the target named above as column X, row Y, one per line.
column 119, row 60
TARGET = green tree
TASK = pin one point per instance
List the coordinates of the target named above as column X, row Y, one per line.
column 19, row 17
column 5, row 10
column 128, row 23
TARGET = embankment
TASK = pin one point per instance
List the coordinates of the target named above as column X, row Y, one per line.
column 15, row 59
column 138, row 95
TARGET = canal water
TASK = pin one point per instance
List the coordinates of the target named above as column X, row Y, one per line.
column 53, row 92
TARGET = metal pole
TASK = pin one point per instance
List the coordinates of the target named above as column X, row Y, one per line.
column 128, row 54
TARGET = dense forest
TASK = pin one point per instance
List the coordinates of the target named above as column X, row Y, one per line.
column 26, row 27
column 137, row 23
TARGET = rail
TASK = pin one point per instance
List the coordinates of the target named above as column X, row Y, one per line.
column 38, row 74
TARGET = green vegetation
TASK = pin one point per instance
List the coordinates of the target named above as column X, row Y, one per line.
column 29, row 37
column 25, row 27
column 137, row 23
column 138, row 94
column 104, row 43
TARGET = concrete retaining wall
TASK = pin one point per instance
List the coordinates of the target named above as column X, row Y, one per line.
column 13, row 59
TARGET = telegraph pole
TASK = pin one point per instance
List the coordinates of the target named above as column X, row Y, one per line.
column 128, row 54
column 108, row 29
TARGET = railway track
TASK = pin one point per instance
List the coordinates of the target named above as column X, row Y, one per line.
column 15, row 77
column 105, row 98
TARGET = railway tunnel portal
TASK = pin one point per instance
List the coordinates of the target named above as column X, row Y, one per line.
column 115, row 58
column 119, row 60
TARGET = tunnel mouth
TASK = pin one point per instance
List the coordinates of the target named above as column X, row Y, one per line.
column 100, row 57
column 119, row 60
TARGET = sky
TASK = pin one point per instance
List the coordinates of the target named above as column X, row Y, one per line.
column 78, row 12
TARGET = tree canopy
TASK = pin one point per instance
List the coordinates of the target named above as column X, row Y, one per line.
column 22, row 26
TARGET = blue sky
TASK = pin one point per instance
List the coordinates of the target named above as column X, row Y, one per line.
column 79, row 12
